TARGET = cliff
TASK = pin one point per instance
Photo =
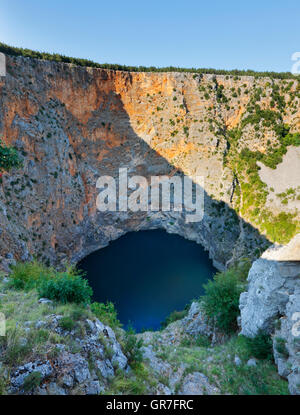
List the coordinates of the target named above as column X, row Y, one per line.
column 73, row 124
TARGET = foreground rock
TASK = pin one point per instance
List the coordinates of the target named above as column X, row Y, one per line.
column 178, row 381
column 272, row 305
column 85, row 372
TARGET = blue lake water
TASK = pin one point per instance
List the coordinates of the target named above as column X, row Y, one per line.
column 147, row 275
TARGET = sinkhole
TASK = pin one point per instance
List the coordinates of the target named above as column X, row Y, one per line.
column 148, row 275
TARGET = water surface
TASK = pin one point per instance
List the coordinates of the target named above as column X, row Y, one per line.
column 147, row 275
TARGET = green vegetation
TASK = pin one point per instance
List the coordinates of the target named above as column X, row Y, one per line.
column 14, row 51
column 251, row 193
column 217, row 364
column 174, row 316
column 28, row 275
column 32, row 381
column 280, row 345
column 68, row 286
column 199, row 341
column 221, row 299
column 131, row 384
column 9, row 157
column 26, row 341
column 136, row 381
column 221, row 97
column 67, row 323
column 106, row 313
column 132, row 348
column 260, row 346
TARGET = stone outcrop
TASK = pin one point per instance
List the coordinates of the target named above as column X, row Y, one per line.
column 86, row 371
column 272, row 305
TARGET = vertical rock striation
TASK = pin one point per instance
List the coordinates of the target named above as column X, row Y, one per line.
column 73, row 124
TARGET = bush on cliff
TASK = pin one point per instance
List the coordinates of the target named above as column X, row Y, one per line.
column 221, row 299
column 132, row 348
column 174, row 316
column 8, row 157
column 65, row 287
column 15, row 51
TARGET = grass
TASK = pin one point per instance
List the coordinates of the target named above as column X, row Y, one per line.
column 20, row 307
column 106, row 313
column 136, row 382
column 9, row 157
column 32, row 381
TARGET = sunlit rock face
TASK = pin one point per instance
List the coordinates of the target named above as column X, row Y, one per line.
column 73, row 124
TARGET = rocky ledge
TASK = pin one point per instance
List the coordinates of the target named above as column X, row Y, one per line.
column 272, row 305
column 97, row 357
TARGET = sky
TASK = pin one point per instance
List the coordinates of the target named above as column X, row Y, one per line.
column 229, row 34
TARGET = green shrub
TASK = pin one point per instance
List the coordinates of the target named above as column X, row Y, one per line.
column 133, row 383
column 31, row 381
column 8, row 157
column 132, row 348
column 2, row 384
column 174, row 316
column 202, row 341
column 260, row 346
column 221, row 299
column 66, row 288
column 79, row 312
column 199, row 341
column 14, row 51
column 106, row 313
column 280, row 345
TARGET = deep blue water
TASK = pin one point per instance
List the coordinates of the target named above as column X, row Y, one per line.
column 147, row 275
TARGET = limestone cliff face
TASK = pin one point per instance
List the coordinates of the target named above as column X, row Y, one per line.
column 73, row 124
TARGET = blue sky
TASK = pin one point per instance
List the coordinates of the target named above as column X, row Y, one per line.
column 260, row 35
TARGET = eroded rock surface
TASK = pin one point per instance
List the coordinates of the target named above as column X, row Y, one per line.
column 86, row 371
column 72, row 125
column 272, row 305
